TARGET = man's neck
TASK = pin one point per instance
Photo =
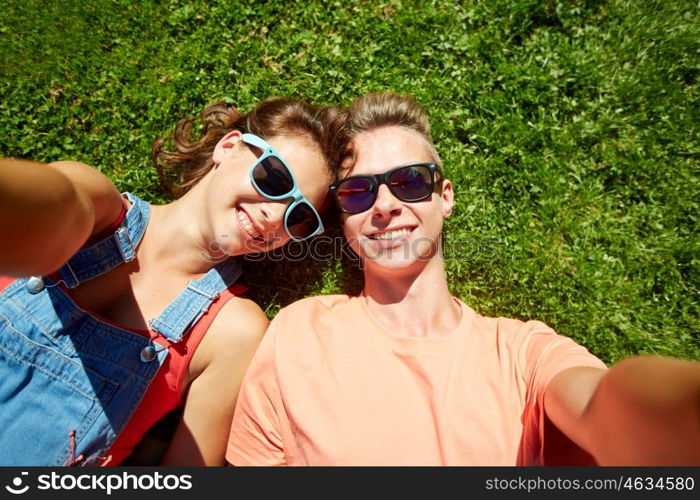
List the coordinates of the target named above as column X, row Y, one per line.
column 413, row 303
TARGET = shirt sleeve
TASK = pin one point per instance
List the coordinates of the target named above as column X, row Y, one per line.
column 255, row 436
column 543, row 354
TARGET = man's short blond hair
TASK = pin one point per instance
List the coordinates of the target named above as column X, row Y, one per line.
column 386, row 109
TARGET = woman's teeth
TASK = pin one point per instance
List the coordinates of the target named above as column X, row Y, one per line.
column 391, row 235
column 248, row 225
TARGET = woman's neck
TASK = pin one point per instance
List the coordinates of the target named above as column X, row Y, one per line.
column 413, row 303
column 175, row 241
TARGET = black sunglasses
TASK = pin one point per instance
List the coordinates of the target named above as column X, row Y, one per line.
column 414, row 182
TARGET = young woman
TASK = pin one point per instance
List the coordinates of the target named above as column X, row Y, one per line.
column 133, row 309
column 406, row 374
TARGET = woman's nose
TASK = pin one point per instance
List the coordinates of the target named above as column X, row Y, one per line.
column 273, row 214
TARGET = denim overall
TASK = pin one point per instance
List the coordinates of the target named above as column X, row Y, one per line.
column 69, row 383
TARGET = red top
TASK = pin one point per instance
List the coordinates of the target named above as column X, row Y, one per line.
column 5, row 281
column 165, row 392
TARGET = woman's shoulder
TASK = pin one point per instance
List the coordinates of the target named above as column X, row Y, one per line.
column 239, row 322
column 233, row 335
column 240, row 317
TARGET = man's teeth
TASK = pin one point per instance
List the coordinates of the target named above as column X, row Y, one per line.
column 247, row 225
column 391, row 235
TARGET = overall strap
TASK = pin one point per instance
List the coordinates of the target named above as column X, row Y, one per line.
column 194, row 300
column 111, row 251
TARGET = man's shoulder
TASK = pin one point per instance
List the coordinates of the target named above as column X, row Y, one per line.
column 508, row 328
column 304, row 326
column 313, row 306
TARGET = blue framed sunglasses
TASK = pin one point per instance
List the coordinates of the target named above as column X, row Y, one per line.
column 273, row 179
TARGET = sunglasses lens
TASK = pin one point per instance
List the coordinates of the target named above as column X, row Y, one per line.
column 272, row 177
column 412, row 183
column 302, row 221
column 356, row 195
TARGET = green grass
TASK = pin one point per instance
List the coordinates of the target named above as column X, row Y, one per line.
column 570, row 130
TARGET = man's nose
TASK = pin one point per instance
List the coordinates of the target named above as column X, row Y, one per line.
column 386, row 203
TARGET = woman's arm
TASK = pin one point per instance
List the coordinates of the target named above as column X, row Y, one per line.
column 217, row 367
column 47, row 212
column 642, row 411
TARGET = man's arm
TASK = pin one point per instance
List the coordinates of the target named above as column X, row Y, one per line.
column 47, row 212
column 642, row 411
column 257, row 429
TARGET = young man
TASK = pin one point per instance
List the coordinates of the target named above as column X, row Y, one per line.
column 406, row 374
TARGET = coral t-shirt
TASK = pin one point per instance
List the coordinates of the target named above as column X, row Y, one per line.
column 329, row 385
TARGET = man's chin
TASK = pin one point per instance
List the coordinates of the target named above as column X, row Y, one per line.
column 394, row 266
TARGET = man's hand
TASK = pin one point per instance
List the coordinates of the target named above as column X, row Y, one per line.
column 642, row 411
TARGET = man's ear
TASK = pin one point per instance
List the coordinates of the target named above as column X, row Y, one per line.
column 448, row 198
column 226, row 145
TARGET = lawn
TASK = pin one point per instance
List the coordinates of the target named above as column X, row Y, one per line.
column 570, row 130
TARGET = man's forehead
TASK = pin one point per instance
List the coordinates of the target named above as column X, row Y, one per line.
column 384, row 148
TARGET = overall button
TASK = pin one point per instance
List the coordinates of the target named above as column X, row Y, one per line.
column 148, row 353
column 35, row 284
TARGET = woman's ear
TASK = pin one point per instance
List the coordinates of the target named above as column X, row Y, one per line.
column 448, row 198
column 226, row 145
